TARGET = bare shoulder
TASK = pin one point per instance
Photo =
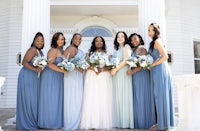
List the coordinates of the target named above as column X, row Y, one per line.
column 127, row 47
column 52, row 51
column 32, row 51
column 70, row 49
column 159, row 43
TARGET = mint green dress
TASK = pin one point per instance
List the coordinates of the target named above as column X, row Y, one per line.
column 123, row 96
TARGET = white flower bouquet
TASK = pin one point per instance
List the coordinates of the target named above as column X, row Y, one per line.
column 40, row 61
column 113, row 62
column 82, row 64
column 145, row 61
column 132, row 61
column 66, row 65
column 98, row 60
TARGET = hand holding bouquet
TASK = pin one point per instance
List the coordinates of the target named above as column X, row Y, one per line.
column 98, row 60
column 133, row 61
column 145, row 61
column 113, row 62
column 66, row 65
column 40, row 61
column 82, row 64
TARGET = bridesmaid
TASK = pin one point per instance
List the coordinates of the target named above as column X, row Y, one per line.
column 51, row 91
column 123, row 92
column 161, row 80
column 144, row 111
column 28, row 86
column 97, row 104
column 73, row 87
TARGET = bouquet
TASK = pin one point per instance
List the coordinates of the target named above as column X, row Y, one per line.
column 113, row 62
column 82, row 64
column 145, row 61
column 66, row 64
column 98, row 60
column 40, row 61
column 133, row 61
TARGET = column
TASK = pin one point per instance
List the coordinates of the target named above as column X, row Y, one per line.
column 151, row 11
column 36, row 18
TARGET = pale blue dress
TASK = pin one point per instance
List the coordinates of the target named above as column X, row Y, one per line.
column 27, row 99
column 122, row 96
column 73, row 95
column 50, row 114
column 144, row 110
column 161, row 79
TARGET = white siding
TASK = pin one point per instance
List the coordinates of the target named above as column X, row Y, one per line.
column 182, row 28
column 4, row 34
column 10, row 46
column 174, row 39
column 190, row 18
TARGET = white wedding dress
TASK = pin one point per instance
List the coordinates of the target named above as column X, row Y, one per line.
column 97, row 101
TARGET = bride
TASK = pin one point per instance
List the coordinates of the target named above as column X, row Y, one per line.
column 97, row 101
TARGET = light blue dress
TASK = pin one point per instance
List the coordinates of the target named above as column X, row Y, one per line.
column 143, row 102
column 73, row 95
column 161, row 79
column 27, row 99
column 122, row 96
column 50, row 115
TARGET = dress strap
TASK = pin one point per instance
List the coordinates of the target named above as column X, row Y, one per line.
column 38, row 52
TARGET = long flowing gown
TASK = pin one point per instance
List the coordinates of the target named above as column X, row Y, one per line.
column 73, row 95
column 163, row 92
column 27, row 99
column 51, row 98
column 144, row 110
column 123, row 96
column 97, row 102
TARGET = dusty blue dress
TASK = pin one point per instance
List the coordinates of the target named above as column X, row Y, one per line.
column 122, row 96
column 73, row 95
column 143, row 102
column 27, row 99
column 161, row 79
column 50, row 115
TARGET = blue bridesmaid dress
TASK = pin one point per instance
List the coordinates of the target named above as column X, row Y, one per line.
column 73, row 95
column 161, row 79
column 27, row 99
column 50, row 115
column 143, row 102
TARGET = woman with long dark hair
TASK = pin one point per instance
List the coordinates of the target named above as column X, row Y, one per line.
column 97, row 102
column 143, row 102
column 161, row 80
column 122, row 84
column 28, row 87
column 73, row 86
column 50, row 114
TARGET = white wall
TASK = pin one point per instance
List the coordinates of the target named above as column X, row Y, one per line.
column 182, row 28
column 68, row 21
column 10, row 32
column 190, row 21
column 174, row 38
column 4, row 34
